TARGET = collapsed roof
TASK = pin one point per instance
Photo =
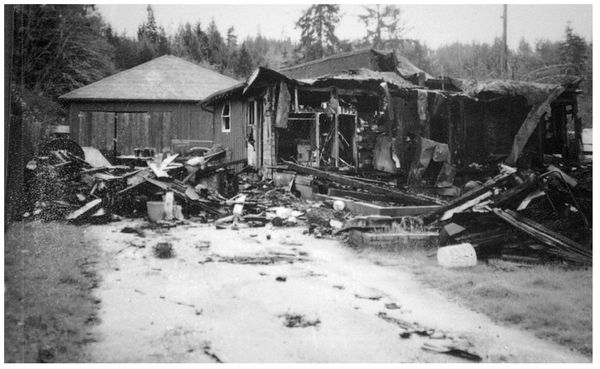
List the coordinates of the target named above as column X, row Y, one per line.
column 369, row 68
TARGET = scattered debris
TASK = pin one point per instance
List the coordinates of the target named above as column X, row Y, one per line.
column 298, row 321
column 163, row 250
column 451, row 350
column 374, row 298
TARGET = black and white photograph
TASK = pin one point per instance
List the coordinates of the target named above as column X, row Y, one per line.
column 306, row 183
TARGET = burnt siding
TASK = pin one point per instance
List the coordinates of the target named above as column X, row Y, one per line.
column 503, row 119
column 164, row 122
column 235, row 139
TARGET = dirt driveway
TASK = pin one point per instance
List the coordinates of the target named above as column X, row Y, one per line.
column 276, row 295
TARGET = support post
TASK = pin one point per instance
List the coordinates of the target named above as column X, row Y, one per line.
column 336, row 139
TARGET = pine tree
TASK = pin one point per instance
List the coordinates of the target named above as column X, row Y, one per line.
column 60, row 48
column 216, row 45
column 573, row 50
column 243, row 65
column 317, row 25
column 384, row 26
column 231, row 39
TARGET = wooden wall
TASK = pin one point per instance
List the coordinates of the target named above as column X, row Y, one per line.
column 139, row 124
column 235, row 139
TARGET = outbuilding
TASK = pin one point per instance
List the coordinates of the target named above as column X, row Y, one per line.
column 153, row 105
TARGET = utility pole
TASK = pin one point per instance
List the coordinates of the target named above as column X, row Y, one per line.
column 504, row 54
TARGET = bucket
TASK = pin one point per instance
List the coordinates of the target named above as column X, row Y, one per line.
column 457, row 256
column 156, row 210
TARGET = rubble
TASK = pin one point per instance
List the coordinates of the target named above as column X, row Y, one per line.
column 523, row 214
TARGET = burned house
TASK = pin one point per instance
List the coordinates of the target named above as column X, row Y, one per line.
column 154, row 105
column 371, row 110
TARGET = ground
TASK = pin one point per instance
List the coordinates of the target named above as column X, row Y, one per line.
column 278, row 295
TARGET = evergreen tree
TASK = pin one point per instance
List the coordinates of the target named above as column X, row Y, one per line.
column 317, row 25
column 59, row 48
column 216, row 46
column 384, row 26
column 231, row 39
column 243, row 65
column 573, row 50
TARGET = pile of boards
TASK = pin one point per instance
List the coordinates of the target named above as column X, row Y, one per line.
column 523, row 216
column 88, row 188
column 519, row 215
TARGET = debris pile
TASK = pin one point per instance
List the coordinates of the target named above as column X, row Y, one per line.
column 520, row 215
column 523, row 216
column 83, row 186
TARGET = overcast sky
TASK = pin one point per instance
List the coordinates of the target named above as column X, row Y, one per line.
column 434, row 25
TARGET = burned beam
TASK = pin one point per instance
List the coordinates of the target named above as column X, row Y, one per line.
column 415, row 199
column 557, row 244
column 470, row 195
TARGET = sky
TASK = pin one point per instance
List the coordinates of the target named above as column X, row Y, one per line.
column 434, row 25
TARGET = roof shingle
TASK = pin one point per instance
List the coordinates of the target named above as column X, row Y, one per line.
column 166, row 78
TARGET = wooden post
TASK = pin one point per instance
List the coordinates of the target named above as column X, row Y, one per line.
column 451, row 133
column 354, row 145
column 318, row 137
column 336, row 139
column 296, row 99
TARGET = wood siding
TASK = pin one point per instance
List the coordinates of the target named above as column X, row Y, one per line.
column 139, row 124
column 235, row 139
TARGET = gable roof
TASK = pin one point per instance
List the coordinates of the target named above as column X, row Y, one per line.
column 166, row 78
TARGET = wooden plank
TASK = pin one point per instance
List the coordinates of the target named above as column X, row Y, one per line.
column 529, row 125
column 416, row 199
column 568, row 250
column 86, row 209
column 497, row 180
column 157, row 171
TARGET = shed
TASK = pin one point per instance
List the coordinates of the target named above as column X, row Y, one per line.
column 155, row 104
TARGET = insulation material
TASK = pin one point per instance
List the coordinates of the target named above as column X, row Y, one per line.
column 283, row 106
column 427, row 151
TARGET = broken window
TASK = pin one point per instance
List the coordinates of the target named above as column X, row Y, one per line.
column 250, row 113
column 225, row 121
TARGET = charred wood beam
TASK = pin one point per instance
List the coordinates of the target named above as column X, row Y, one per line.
column 520, row 190
column 557, row 244
column 470, row 195
column 416, row 199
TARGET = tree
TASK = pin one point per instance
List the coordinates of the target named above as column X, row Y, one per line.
column 384, row 26
column 573, row 50
column 216, row 46
column 149, row 29
column 317, row 25
column 59, row 48
column 243, row 65
column 231, row 39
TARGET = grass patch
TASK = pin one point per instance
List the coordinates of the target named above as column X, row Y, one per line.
column 552, row 301
column 48, row 301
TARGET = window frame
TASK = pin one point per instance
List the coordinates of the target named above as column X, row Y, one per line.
column 251, row 113
column 226, row 117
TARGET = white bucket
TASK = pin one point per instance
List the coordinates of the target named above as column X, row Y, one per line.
column 156, row 210
column 457, row 256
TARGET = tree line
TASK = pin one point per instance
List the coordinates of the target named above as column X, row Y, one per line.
column 62, row 47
